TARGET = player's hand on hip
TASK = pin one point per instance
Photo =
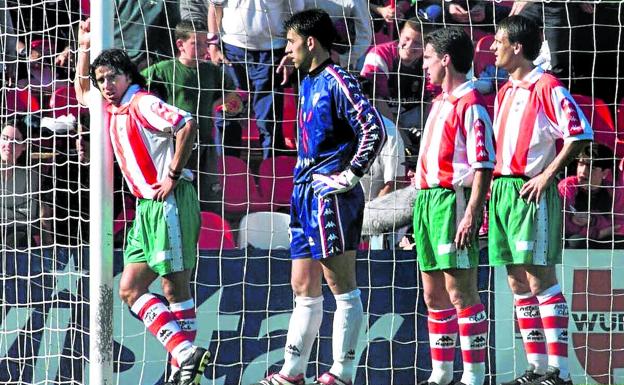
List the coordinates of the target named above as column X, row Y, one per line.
column 163, row 188
column 325, row 185
column 533, row 189
column 466, row 231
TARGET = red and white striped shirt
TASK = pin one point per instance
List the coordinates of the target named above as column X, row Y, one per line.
column 142, row 129
column 457, row 140
column 530, row 116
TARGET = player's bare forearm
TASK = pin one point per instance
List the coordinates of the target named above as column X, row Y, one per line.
column 81, row 81
column 480, row 188
column 185, row 138
column 467, row 228
column 569, row 151
column 532, row 190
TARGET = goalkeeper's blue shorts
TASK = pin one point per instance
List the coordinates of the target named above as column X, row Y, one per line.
column 324, row 227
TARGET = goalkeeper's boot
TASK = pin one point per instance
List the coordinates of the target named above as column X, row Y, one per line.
column 280, row 379
column 331, row 379
column 192, row 369
column 527, row 378
column 551, row 378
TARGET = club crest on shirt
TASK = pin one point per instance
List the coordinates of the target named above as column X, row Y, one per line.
column 166, row 113
column 574, row 123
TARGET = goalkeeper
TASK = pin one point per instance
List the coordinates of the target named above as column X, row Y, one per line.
column 163, row 239
column 340, row 134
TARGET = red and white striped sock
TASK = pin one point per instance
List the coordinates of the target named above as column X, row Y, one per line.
column 159, row 320
column 530, row 324
column 554, row 311
column 442, row 339
column 185, row 316
column 473, row 329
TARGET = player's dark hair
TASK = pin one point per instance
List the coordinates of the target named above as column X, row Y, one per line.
column 315, row 23
column 524, row 31
column 119, row 61
column 454, row 42
column 186, row 27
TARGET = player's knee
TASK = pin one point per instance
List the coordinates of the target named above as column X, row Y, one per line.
column 176, row 292
column 128, row 295
column 463, row 300
column 305, row 288
column 436, row 301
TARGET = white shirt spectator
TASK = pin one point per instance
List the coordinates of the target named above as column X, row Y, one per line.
column 256, row 24
column 387, row 166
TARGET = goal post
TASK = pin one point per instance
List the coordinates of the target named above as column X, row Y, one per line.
column 101, row 290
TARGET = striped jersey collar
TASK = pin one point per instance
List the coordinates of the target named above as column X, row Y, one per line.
column 529, row 79
column 458, row 92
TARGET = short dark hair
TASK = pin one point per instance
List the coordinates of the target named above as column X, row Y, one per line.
column 523, row 30
column 314, row 23
column 454, row 42
column 119, row 61
column 186, row 27
column 598, row 155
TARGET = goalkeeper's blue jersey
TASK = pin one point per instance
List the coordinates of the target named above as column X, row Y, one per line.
column 338, row 126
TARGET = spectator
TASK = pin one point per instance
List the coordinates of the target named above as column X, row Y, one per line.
column 394, row 212
column 193, row 84
column 253, row 41
column 490, row 79
column 20, row 194
column 593, row 216
column 395, row 68
column 598, row 60
column 387, row 15
column 144, row 29
column 9, row 54
column 39, row 72
column 556, row 18
column 388, row 168
column 352, row 21
column 467, row 13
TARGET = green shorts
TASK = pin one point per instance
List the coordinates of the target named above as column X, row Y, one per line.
column 437, row 212
column 521, row 232
column 164, row 234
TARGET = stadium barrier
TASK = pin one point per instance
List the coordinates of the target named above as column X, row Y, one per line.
column 244, row 301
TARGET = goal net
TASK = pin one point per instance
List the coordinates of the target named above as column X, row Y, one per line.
column 243, row 163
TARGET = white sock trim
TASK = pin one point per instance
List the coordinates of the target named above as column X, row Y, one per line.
column 347, row 297
column 523, row 296
column 141, row 301
column 308, row 301
column 184, row 305
column 549, row 293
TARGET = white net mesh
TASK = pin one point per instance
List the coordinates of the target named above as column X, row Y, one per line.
column 243, row 294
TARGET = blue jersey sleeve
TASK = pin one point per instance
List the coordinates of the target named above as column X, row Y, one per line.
column 353, row 106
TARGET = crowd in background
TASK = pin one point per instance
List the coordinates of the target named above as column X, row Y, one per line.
column 218, row 59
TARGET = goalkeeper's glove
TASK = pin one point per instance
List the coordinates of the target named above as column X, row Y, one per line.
column 325, row 185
